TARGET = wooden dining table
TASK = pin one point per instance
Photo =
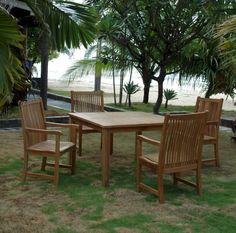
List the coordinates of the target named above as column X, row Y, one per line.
column 110, row 122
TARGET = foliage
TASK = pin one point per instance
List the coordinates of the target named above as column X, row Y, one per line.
column 160, row 38
column 154, row 33
column 68, row 23
column 227, row 44
column 130, row 89
column 169, row 95
column 207, row 65
column 11, row 71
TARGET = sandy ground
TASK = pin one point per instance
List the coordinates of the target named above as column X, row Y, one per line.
column 186, row 95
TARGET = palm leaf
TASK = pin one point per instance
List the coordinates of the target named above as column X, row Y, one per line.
column 11, row 70
column 69, row 23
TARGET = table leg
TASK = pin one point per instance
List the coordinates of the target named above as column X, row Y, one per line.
column 136, row 134
column 106, row 148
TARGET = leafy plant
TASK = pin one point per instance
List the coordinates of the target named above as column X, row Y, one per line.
column 11, row 71
column 169, row 94
column 130, row 88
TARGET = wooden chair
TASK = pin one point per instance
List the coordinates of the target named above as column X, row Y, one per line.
column 214, row 107
column 40, row 141
column 86, row 101
column 180, row 150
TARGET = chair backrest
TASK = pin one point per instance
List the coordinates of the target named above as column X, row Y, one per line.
column 32, row 116
column 87, row 101
column 214, row 107
column 181, row 141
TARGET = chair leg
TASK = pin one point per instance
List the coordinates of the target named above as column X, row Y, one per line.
column 73, row 161
column 198, row 181
column 25, row 168
column 80, row 143
column 56, row 170
column 138, row 176
column 175, row 181
column 217, row 160
column 44, row 161
column 136, row 148
column 111, row 144
column 160, row 188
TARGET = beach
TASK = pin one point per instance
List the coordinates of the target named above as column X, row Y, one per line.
column 186, row 94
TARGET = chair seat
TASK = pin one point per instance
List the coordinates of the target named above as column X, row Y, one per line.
column 49, row 146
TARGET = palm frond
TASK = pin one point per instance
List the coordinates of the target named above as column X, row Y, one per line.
column 69, row 23
column 11, row 70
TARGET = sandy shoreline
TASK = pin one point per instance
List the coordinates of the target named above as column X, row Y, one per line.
column 186, row 95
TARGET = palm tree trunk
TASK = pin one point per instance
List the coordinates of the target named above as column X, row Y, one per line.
column 44, row 47
column 98, row 72
column 113, row 74
column 129, row 97
column 122, row 74
column 130, row 78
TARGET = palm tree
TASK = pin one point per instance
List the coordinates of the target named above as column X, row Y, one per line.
column 227, row 41
column 131, row 88
column 169, row 94
column 64, row 24
column 11, row 70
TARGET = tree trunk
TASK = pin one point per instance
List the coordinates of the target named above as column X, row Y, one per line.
column 98, row 71
column 161, row 78
column 129, row 97
column 130, row 78
column 44, row 47
column 209, row 89
column 113, row 74
column 146, row 93
column 122, row 74
column 166, row 103
column 146, row 82
column 97, row 81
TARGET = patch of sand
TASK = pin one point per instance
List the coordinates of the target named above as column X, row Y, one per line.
column 186, row 95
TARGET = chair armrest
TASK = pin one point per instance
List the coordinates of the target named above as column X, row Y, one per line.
column 44, row 131
column 212, row 123
column 61, row 125
column 148, row 140
column 72, row 127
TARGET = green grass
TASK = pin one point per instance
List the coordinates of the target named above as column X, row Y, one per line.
column 149, row 107
column 171, row 108
column 81, row 204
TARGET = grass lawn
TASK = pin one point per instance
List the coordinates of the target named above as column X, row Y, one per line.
column 81, row 204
